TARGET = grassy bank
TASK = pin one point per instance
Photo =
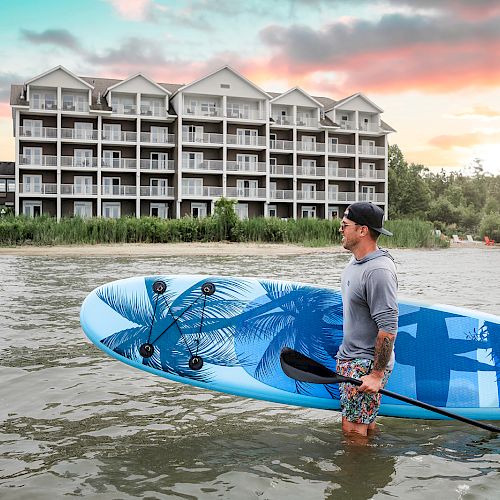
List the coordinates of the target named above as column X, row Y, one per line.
column 308, row 232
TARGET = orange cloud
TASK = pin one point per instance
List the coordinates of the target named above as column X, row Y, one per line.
column 465, row 140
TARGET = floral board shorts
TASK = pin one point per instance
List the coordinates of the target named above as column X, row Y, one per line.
column 358, row 407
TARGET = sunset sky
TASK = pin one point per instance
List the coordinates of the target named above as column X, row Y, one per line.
column 432, row 65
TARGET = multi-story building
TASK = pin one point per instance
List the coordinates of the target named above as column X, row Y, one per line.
column 100, row 147
column 7, row 186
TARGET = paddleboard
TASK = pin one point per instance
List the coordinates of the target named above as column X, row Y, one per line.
column 226, row 334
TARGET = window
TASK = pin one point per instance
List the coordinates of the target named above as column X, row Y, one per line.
column 32, row 156
column 246, row 162
column 158, row 187
column 308, row 212
column 111, row 159
column 272, row 211
column 11, row 185
column 368, row 169
column 308, row 191
column 32, row 183
column 367, row 193
column 123, row 104
column 32, row 128
column 209, row 108
column 247, row 188
column 111, row 185
column 333, row 212
column 82, row 158
column 112, row 131
column 192, row 186
column 225, row 86
column 247, row 137
column 82, row 209
column 68, row 102
column 192, row 133
column 308, row 167
column 159, row 134
column 111, row 210
column 3, row 185
column 83, row 130
column 241, row 210
column 273, row 185
column 333, row 192
column 159, row 210
column 151, row 106
column 32, row 208
column 308, row 143
column 192, row 160
column 198, row 210
column 159, row 161
column 83, row 184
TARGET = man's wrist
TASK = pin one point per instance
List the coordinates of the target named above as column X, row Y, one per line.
column 377, row 373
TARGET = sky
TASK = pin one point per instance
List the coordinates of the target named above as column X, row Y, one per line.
column 433, row 66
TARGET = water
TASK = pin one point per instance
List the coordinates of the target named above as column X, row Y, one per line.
column 77, row 423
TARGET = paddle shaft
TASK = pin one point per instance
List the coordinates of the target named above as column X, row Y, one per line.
column 426, row 406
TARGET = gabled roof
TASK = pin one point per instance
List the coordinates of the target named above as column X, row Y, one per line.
column 62, row 68
column 239, row 75
column 340, row 103
column 304, row 93
column 121, row 82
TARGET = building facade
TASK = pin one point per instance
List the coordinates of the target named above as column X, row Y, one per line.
column 7, row 186
column 99, row 147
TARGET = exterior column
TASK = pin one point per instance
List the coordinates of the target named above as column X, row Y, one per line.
column 17, row 208
column 99, row 161
column 58, row 154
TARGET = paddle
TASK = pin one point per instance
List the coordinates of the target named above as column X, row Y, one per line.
column 299, row 367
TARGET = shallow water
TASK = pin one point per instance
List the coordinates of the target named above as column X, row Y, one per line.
column 77, row 423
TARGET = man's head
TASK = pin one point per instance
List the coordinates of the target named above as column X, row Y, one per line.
column 361, row 223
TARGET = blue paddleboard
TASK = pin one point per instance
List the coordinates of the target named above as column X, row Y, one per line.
column 226, row 334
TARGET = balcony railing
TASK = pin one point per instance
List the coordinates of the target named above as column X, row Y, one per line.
column 372, row 174
column 39, row 161
column 206, row 165
column 341, row 196
column 40, row 188
column 199, row 111
column 246, row 140
column 342, row 149
column 281, row 145
column 124, row 109
column 80, row 134
column 107, row 190
column 79, row 189
column 316, row 147
column 370, row 127
column 44, row 106
column 343, row 173
column 81, row 107
column 157, row 191
column 347, row 125
column 310, row 171
column 158, row 165
column 78, row 161
column 157, row 138
column 246, row 166
column 371, row 150
column 193, row 137
column 153, row 111
column 282, row 119
column 38, row 132
column 281, row 194
column 236, row 192
column 115, row 136
column 376, row 197
column 130, row 163
column 248, row 114
column 281, row 169
column 311, row 195
column 303, row 121
column 211, row 191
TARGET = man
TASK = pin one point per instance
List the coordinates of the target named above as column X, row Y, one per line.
column 369, row 295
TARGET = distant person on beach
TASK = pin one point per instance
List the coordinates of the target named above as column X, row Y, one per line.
column 369, row 295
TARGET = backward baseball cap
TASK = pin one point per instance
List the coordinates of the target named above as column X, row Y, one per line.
column 367, row 214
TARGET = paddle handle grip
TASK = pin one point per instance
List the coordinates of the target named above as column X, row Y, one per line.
column 426, row 406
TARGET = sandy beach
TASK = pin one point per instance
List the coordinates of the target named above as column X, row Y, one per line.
column 172, row 249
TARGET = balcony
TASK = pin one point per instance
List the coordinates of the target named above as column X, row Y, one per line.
column 158, row 165
column 371, row 150
column 204, row 112
column 370, row 127
column 194, row 138
column 47, row 105
column 153, row 111
column 107, row 190
column 116, row 136
column 374, row 197
column 157, row 138
column 341, row 173
column 347, row 125
column 281, row 194
column 246, row 140
column 78, row 190
column 343, row 196
column 282, row 120
column 38, row 161
column 204, row 165
column 38, row 132
column 202, row 191
column 247, row 193
column 38, row 188
column 281, row 145
column 342, row 149
column 79, row 134
column 124, row 163
column 246, row 114
column 308, row 171
column 372, row 174
column 310, row 147
column 124, row 109
column 79, row 161
column 80, row 107
column 281, row 170
column 303, row 121
column 310, row 195
column 157, row 191
column 246, row 166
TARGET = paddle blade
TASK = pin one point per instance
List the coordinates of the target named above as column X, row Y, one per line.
column 299, row 367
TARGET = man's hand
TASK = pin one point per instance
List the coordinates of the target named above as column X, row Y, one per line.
column 372, row 383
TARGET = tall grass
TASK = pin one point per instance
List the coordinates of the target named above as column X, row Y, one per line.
column 308, row 232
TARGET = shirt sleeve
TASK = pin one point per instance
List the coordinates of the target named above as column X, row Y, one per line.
column 381, row 297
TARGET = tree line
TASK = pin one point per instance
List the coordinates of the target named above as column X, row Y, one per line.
column 454, row 202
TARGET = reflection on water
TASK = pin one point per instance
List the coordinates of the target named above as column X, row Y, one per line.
column 75, row 422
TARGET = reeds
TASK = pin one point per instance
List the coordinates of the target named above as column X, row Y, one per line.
column 308, row 232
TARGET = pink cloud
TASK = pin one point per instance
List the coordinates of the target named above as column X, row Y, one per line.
column 131, row 9
column 465, row 140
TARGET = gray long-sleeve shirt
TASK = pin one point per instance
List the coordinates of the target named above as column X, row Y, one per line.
column 369, row 296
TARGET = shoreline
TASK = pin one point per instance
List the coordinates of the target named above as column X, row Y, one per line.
column 167, row 249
